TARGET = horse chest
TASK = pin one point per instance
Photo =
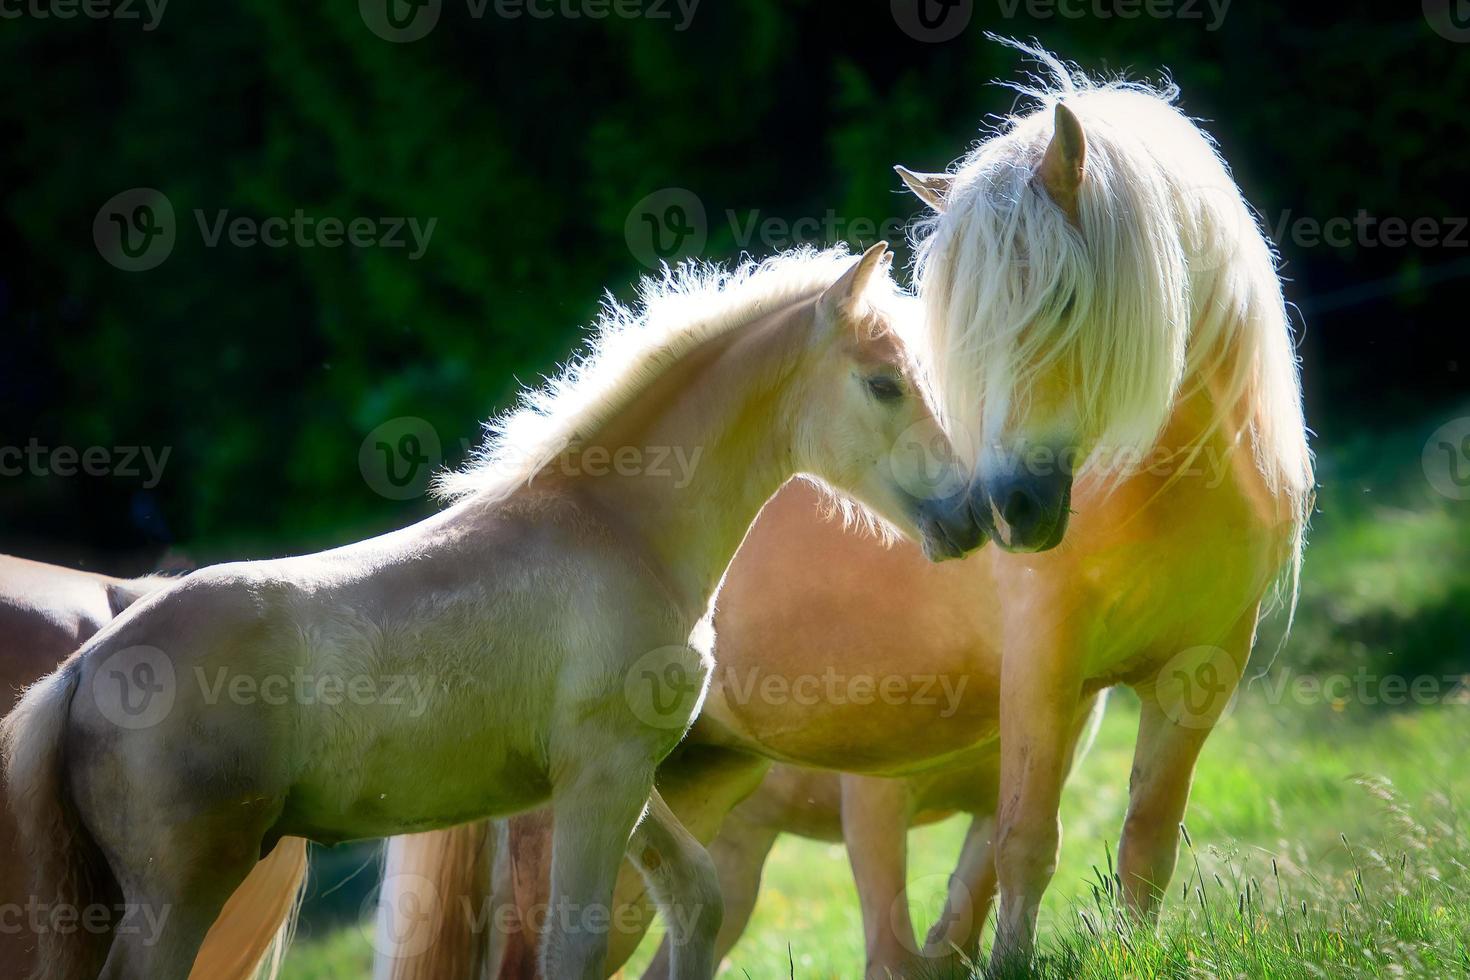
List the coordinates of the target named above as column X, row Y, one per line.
column 1153, row 595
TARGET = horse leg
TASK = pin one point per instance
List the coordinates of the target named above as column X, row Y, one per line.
column 739, row 854
column 1180, row 708
column 593, row 813
column 701, row 786
column 957, row 932
column 172, row 895
column 682, row 879
column 875, row 826
column 1040, row 701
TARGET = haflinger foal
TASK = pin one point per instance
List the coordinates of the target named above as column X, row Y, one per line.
column 834, row 650
column 528, row 614
column 46, row 612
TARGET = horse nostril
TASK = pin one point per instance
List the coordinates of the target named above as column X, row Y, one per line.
column 1019, row 509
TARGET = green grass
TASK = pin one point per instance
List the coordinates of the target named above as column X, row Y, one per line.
column 1358, row 816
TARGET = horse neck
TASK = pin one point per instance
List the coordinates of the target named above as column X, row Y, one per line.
column 1207, row 431
column 719, row 419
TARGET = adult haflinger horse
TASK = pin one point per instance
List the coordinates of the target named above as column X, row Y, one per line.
column 1103, row 301
column 528, row 611
column 1096, row 284
column 46, row 612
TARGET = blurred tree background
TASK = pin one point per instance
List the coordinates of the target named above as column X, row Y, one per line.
column 529, row 141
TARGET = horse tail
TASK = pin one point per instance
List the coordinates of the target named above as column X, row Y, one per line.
column 68, row 870
column 249, row 939
column 1090, row 727
column 435, row 905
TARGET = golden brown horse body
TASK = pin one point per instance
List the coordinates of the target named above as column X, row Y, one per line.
column 46, row 613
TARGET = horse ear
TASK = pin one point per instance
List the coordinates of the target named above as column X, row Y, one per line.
column 1062, row 167
column 843, row 295
column 932, row 189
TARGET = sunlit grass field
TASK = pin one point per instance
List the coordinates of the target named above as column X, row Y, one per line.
column 1326, row 832
column 1360, row 817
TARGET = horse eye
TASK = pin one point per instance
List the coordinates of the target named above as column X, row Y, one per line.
column 885, row 388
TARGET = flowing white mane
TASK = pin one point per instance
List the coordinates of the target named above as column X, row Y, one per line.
column 630, row 348
column 1169, row 284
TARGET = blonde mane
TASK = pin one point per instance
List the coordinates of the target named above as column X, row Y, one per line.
column 630, row 348
column 1169, row 282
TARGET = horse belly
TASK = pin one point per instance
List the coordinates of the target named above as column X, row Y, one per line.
column 450, row 772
